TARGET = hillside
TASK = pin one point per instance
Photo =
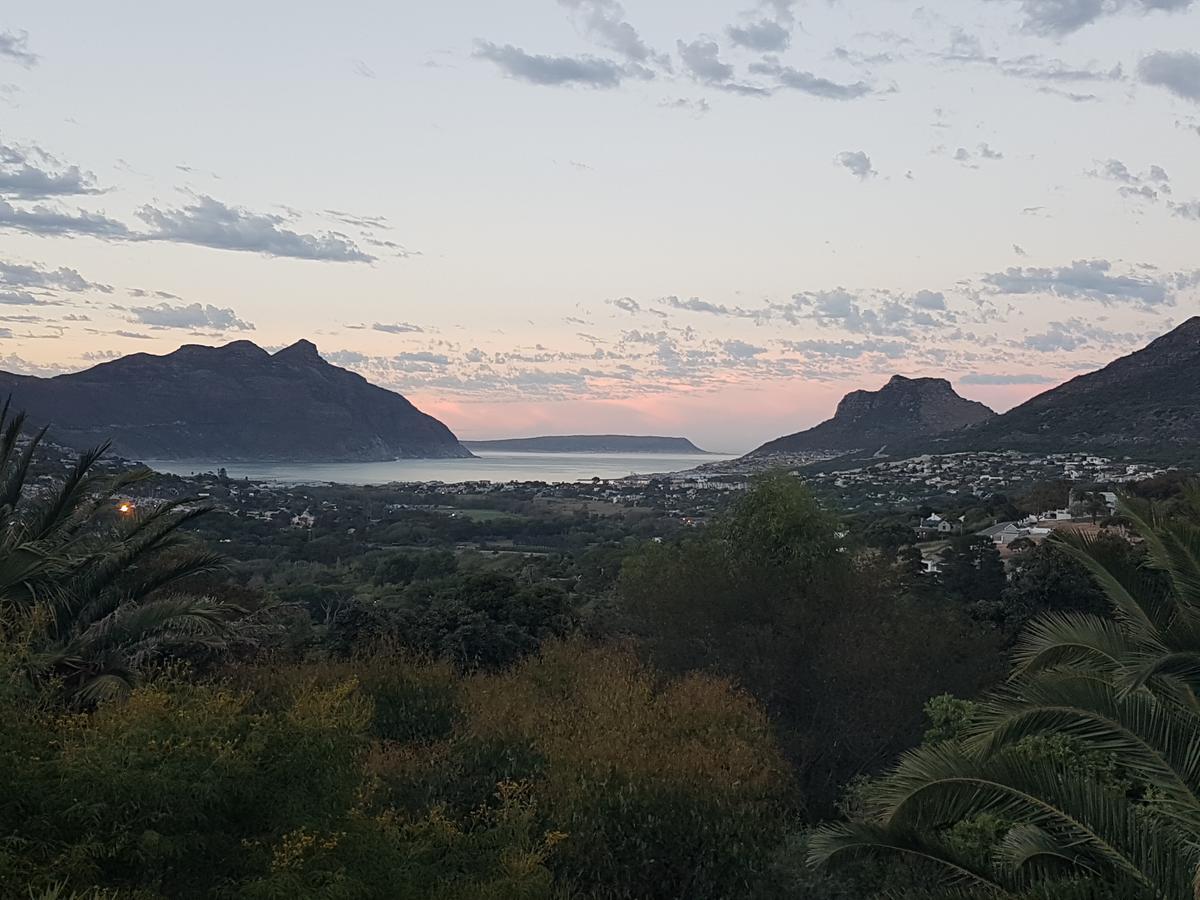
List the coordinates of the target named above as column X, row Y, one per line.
column 901, row 410
column 232, row 403
column 589, row 443
column 1144, row 403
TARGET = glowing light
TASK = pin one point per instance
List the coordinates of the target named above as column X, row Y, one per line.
column 125, row 509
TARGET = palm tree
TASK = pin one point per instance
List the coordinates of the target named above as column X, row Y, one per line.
column 1127, row 688
column 91, row 596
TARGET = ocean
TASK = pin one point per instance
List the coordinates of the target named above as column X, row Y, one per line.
column 489, row 466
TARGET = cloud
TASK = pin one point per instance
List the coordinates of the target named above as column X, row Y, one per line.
column 808, row 83
column 605, row 21
column 18, row 366
column 1023, row 378
column 764, row 36
column 34, row 276
column 695, row 304
column 985, row 151
column 848, row 349
column 929, row 300
column 1037, row 68
column 210, row 223
column 887, row 316
column 357, row 221
column 1178, row 72
column 589, row 71
column 190, row 317
column 15, row 46
column 1050, row 72
column 700, row 107
column 782, row 10
column 858, row 163
column 1146, row 186
column 397, row 363
column 160, row 295
column 29, row 173
column 17, row 298
column 742, row 350
column 628, row 304
column 1188, row 210
column 703, row 60
column 398, row 328
column 1057, row 18
column 1060, row 17
column 1073, row 334
column 1083, row 279
column 45, row 220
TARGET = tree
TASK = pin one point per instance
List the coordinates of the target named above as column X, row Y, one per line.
column 972, row 570
column 1126, row 687
column 1045, row 496
column 889, row 536
column 96, row 593
column 1046, row 578
column 766, row 597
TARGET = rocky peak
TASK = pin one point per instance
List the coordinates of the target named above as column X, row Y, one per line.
column 901, row 409
column 235, row 402
column 301, row 350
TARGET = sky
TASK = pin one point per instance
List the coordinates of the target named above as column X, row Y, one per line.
column 708, row 218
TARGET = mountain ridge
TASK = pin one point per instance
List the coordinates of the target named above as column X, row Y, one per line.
column 234, row 402
column 1145, row 403
column 868, row 420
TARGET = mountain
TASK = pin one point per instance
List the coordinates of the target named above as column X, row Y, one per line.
column 231, row 403
column 903, row 409
column 1147, row 404
column 589, row 443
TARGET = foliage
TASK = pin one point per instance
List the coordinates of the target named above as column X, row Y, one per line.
column 1087, row 758
column 1046, row 579
column 92, row 595
column 769, row 598
column 972, row 571
column 658, row 789
column 480, row 620
column 581, row 771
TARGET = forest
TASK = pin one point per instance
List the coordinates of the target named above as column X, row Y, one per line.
column 783, row 703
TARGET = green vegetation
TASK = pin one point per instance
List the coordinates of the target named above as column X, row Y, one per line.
column 376, row 705
column 1084, row 766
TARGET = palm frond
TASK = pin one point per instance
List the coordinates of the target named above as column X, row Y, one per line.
column 71, row 495
column 1141, row 669
column 1032, row 853
column 199, row 616
column 180, row 567
column 937, row 786
column 1142, row 606
column 1153, row 740
column 15, row 471
column 848, row 842
column 1070, row 639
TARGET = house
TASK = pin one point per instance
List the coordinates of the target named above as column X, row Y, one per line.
column 304, row 520
column 936, row 524
column 1004, row 534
